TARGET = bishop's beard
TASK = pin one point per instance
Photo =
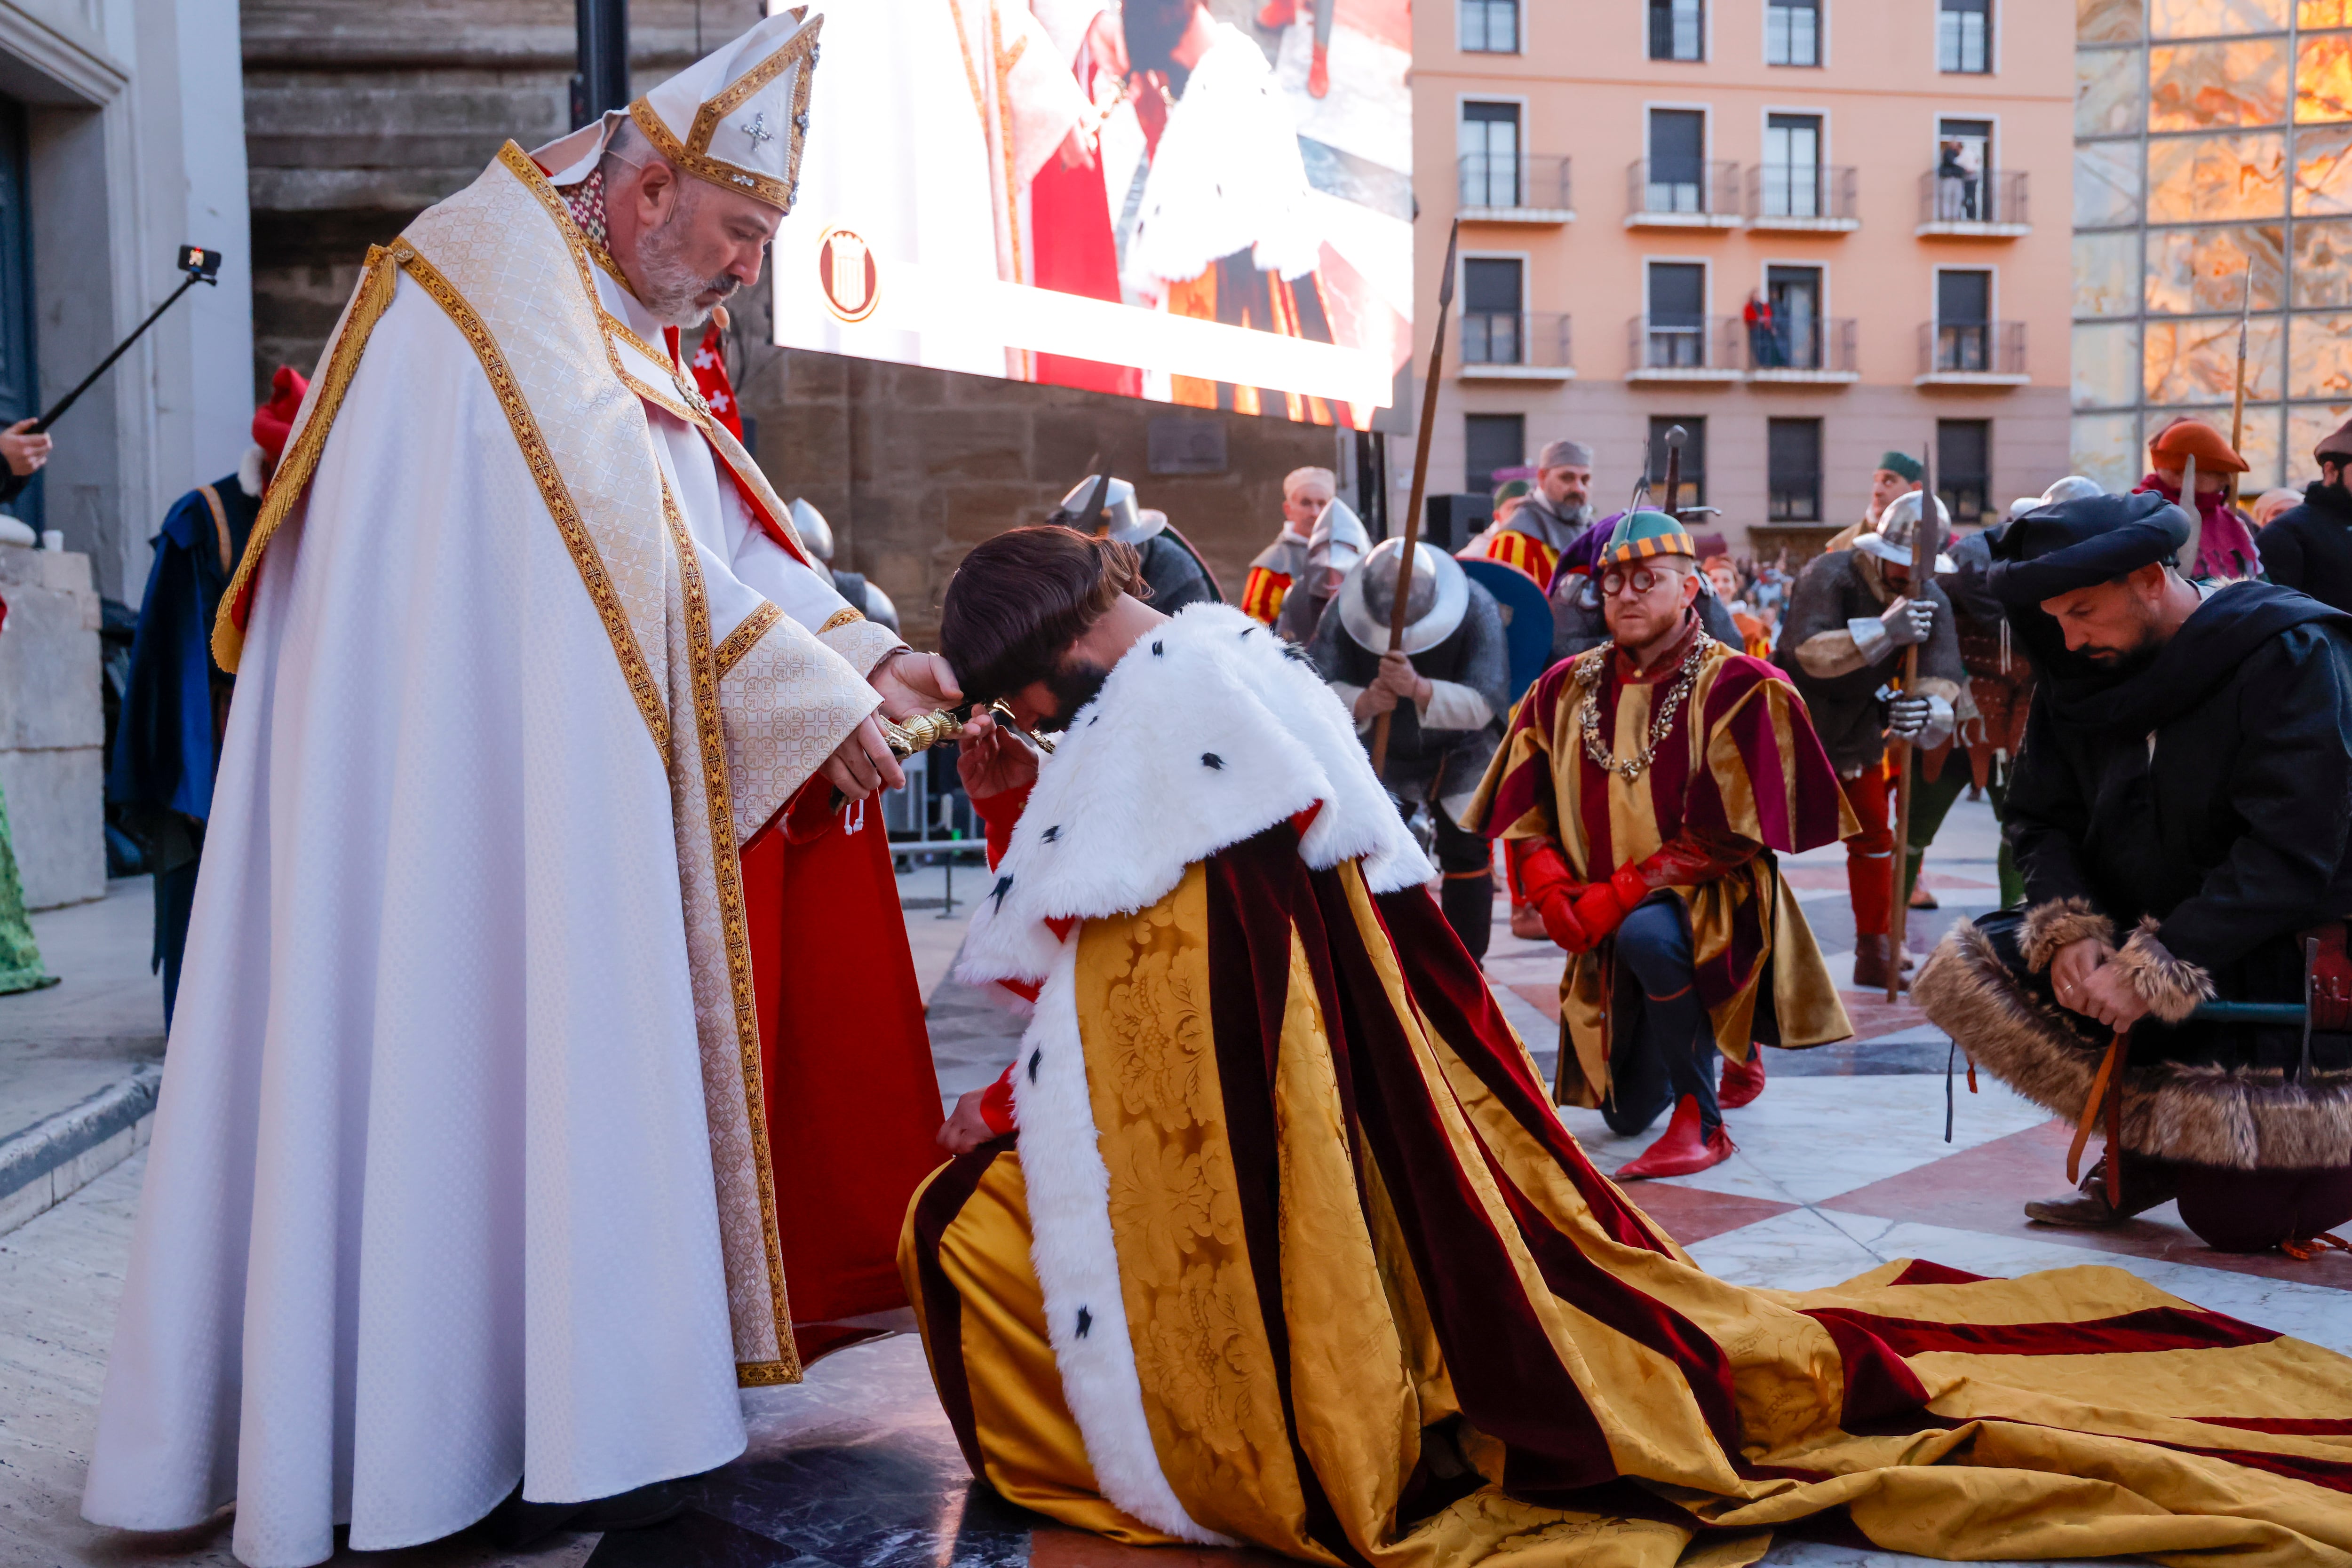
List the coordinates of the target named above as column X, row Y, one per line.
column 672, row 288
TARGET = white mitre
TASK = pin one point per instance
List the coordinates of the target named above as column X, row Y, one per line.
column 736, row 117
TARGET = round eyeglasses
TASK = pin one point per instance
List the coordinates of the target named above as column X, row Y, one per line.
column 1642, row 579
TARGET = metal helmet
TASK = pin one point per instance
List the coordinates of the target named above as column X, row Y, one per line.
column 2072, row 487
column 813, row 530
column 1115, row 516
column 1434, row 605
column 878, row 607
column 1334, row 546
column 1896, row 524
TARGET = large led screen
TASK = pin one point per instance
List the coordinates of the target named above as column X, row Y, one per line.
column 1198, row 201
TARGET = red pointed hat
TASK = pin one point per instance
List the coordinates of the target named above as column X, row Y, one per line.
column 274, row 420
column 2195, row 438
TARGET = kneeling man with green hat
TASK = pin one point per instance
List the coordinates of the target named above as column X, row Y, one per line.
column 1648, row 783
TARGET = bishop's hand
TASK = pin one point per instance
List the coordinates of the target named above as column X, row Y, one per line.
column 863, row 764
column 913, row 684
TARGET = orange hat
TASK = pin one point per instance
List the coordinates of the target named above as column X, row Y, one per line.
column 2195, row 438
column 274, row 420
column 1711, row 562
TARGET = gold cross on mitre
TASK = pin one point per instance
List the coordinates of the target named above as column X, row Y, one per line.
column 737, row 116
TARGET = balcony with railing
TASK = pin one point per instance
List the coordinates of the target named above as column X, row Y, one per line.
column 1514, row 346
column 1686, row 349
column 1805, row 198
column 1971, row 354
column 1679, row 194
column 1818, row 351
column 1498, row 188
column 1967, row 204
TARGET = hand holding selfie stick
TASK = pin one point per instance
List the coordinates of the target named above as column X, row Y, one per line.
column 1398, row 615
column 201, row 265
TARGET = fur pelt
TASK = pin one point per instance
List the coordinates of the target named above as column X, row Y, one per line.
column 1207, row 733
column 1078, row 1262
column 2171, row 986
column 253, row 471
column 2058, row 923
column 2245, row 1119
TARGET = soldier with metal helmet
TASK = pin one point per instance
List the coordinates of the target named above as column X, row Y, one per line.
column 1305, row 492
column 1337, row 544
column 1851, row 615
column 1447, row 694
column 1105, row 506
column 854, row 586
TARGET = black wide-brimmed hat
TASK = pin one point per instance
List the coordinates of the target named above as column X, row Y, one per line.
column 2058, row 549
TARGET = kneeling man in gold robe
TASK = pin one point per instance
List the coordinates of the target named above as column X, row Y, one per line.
column 1271, row 1235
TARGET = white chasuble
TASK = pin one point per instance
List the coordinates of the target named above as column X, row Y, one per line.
column 459, row 1175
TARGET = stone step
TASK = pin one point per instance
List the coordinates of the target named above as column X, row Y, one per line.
column 58, row 1156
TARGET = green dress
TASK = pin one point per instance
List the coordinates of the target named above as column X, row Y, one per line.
column 20, row 956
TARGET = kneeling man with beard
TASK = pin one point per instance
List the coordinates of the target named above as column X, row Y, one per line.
column 1291, row 1250
column 2179, row 814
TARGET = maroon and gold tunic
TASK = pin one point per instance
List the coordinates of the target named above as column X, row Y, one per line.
column 1739, row 772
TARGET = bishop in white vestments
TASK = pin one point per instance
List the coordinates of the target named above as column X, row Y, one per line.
column 461, row 1176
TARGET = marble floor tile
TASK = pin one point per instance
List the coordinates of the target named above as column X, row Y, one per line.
column 1986, row 1189
column 1798, row 1250
column 1808, row 1139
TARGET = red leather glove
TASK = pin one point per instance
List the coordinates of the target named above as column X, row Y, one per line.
column 1601, row 906
column 1551, row 890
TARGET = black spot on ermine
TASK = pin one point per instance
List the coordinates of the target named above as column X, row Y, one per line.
column 1052, row 834
column 1157, row 649
column 1210, row 759
column 1003, row 885
column 1034, row 1058
column 1086, row 1322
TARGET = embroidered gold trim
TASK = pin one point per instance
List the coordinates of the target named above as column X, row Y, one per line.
column 551, row 487
column 841, row 617
column 728, row 868
column 801, row 46
column 970, row 75
column 1005, row 60
column 745, row 467
column 775, row 193
column 220, row 526
column 294, row 470
column 520, row 164
column 741, row 640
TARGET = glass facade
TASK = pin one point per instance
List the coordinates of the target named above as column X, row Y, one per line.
column 2213, row 156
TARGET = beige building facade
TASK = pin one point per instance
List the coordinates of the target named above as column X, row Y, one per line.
column 1806, row 230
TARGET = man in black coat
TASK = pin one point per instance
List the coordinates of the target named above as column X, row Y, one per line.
column 2310, row 545
column 2181, row 812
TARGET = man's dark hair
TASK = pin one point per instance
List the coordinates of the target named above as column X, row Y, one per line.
column 1154, row 28
column 1019, row 600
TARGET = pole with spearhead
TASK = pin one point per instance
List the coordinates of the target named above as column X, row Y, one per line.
column 1927, row 543
column 1397, row 616
column 2238, row 399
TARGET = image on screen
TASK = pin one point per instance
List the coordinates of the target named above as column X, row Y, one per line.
column 1204, row 203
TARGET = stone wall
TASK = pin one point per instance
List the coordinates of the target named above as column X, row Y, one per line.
column 913, row 467
column 52, row 729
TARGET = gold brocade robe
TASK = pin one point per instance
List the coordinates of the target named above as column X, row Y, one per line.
column 1738, row 761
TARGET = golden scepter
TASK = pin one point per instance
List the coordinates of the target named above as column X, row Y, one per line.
column 1926, row 540
column 1419, row 484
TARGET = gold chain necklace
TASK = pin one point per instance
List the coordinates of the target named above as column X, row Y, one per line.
column 1588, row 675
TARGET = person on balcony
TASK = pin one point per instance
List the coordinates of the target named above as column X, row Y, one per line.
column 1764, row 350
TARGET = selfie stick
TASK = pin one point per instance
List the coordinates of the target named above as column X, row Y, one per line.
column 1398, row 614
column 202, row 266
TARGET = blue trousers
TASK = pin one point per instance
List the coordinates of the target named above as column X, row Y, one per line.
column 1662, row 1047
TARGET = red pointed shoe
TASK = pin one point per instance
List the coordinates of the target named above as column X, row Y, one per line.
column 1277, row 13
column 1682, row 1152
column 1742, row 1082
column 1318, row 72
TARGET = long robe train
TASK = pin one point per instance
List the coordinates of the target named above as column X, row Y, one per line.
column 1384, row 1311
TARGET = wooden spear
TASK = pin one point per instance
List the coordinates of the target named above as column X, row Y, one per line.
column 1927, row 542
column 1398, row 616
column 2238, row 399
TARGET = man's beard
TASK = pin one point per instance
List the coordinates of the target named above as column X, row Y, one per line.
column 672, row 288
column 1074, row 685
column 2131, row 661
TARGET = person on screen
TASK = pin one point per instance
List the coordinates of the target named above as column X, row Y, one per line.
column 1224, row 230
